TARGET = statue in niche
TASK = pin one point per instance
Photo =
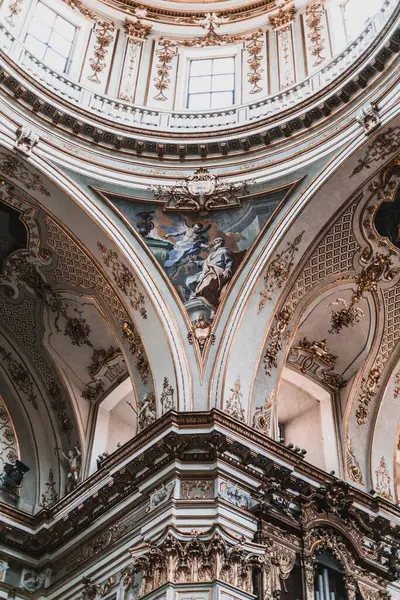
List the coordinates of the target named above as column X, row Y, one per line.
column 74, row 470
column 217, row 270
column 147, row 412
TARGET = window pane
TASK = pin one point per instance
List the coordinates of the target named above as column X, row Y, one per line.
column 221, row 99
column 199, row 84
column 39, row 30
column 35, row 47
column 55, row 61
column 45, row 14
column 66, row 29
column 200, row 67
column 222, row 83
column 60, row 44
column 223, row 65
column 199, row 102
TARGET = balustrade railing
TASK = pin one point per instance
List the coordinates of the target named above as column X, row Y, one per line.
column 128, row 114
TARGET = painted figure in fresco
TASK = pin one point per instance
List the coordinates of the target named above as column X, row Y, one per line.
column 193, row 241
column 145, row 223
column 216, row 273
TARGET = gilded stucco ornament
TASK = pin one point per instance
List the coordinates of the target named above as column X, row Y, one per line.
column 383, row 146
column 129, row 332
column 124, row 279
column 279, row 270
column 314, row 360
column 262, row 418
column 11, row 166
column 167, row 400
column 201, row 192
column 353, row 466
column 383, row 480
column 103, row 32
column 380, row 269
column 91, row 591
column 15, row 7
column 79, row 5
column 254, row 44
column 201, row 333
column 277, row 335
column 20, row 377
column 166, row 51
column 368, row 390
column 315, row 11
column 396, row 392
column 234, row 405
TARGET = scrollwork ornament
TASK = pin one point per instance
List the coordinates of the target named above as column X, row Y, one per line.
column 254, row 45
column 277, row 335
column 380, row 269
column 201, row 192
column 124, row 279
column 380, row 148
column 313, row 18
column 234, row 406
column 353, row 466
column 279, row 270
column 104, row 38
column 165, row 53
column 369, row 387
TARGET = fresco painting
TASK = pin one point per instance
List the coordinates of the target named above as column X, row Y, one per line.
column 200, row 255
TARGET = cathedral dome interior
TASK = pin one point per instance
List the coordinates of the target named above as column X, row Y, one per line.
column 199, row 300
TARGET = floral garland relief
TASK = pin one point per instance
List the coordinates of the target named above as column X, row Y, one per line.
column 165, row 53
column 254, row 47
column 104, row 38
column 15, row 8
column 314, row 13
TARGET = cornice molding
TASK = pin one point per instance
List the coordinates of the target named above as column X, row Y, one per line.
column 242, row 140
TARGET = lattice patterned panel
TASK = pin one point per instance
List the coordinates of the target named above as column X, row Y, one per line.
column 20, row 319
column 392, row 322
column 76, row 268
column 334, row 255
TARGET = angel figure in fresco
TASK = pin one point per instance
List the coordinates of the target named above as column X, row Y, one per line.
column 217, row 270
column 194, row 240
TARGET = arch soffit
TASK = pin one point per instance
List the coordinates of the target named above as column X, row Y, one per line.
column 111, row 252
column 350, row 175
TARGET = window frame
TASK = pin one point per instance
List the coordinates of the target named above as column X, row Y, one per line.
column 79, row 44
column 182, row 83
column 211, row 92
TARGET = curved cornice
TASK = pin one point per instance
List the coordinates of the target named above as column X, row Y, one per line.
column 87, row 126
